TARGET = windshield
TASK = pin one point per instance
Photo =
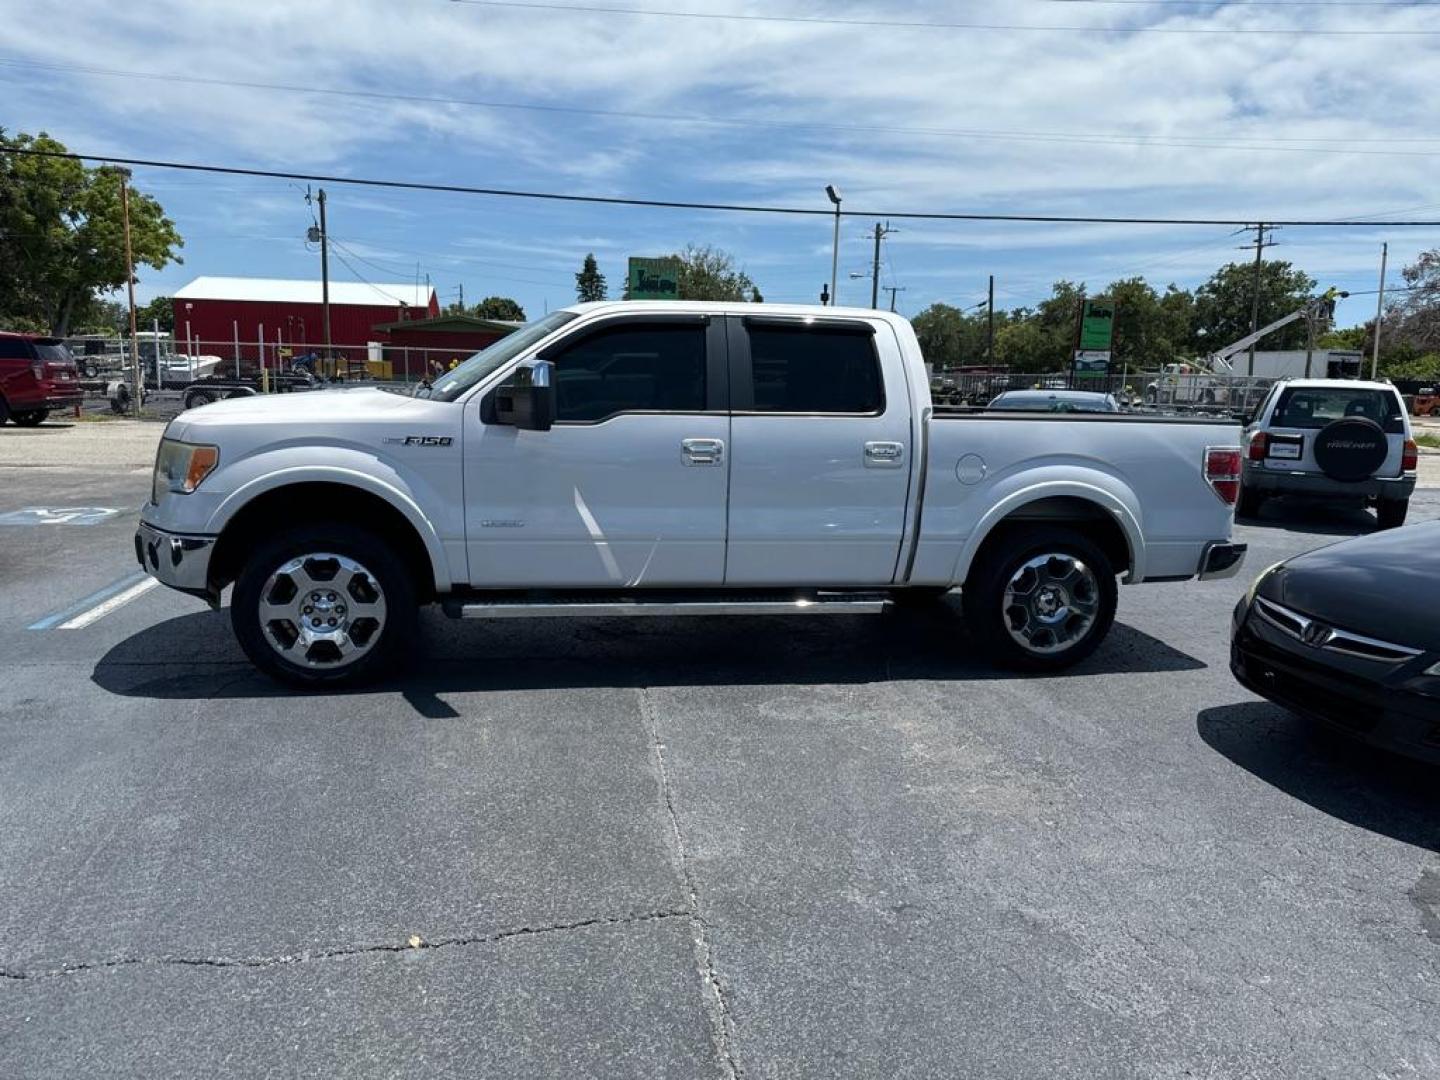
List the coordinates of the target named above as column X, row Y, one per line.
column 1314, row 407
column 454, row 383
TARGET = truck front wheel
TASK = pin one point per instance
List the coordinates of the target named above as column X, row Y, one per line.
column 1041, row 600
column 324, row 605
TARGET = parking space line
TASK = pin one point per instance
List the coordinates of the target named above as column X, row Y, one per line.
column 99, row 611
column 81, row 609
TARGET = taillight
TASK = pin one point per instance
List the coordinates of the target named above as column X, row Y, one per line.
column 38, row 370
column 1222, row 471
column 1259, row 446
column 1410, row 458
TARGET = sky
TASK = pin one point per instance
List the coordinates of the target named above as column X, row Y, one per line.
column 1248, row 111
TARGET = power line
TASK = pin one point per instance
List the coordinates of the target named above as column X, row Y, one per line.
column 894, row 24
column 681, row 204
column 1263, row 144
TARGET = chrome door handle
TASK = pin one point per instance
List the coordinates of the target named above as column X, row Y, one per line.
column 702, row 451
column 884, row 455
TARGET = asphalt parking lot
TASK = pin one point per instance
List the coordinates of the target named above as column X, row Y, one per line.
column 726, row 848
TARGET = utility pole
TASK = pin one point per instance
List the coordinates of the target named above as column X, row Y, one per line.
column 892, row 290
column 834, row 196
column 461, row 288
column 1259, row 229
column 1379, row 312
column 881, row 231
column 139, row 382
column 325, row 272
column 990, row 333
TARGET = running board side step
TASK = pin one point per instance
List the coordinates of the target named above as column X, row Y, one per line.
column 609, row 609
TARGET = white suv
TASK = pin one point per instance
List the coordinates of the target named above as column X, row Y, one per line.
column 1337, row 440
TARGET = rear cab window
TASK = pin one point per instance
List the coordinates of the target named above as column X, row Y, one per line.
column 829, row 370
column 1310, row 408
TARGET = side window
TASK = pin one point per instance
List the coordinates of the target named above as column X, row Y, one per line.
column 14, row 349
column 815, row 370
column 631, row 368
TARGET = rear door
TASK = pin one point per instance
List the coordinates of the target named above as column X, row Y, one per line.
column 1302, row 412
column 821, row 451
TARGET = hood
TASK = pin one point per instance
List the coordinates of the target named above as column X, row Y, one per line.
column 302, row 410
column 1386, row 585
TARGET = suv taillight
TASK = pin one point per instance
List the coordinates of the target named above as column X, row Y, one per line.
column 1259, row 446
column 38, row 370
column 1410, row 457
column 1222, row 472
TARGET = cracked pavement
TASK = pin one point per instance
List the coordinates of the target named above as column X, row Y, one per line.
column 735, row 849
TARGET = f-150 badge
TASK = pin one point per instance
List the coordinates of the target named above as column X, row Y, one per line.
column 421, row 440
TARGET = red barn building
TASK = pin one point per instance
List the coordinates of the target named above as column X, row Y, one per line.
column 213, row 311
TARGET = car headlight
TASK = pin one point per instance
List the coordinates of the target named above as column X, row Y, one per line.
column 182, row 467
column 1254, row 585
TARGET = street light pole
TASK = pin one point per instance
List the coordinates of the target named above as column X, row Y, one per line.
column 834, row 197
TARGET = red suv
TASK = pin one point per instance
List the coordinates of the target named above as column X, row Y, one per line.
column 37, row 374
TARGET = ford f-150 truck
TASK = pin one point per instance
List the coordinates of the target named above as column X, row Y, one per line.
column 676, row 458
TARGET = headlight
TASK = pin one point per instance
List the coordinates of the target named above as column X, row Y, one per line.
column 182, row 467
column 1254, row 585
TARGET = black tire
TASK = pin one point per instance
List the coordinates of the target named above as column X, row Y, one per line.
column 1249, row 503
column 196, row 398
column 30, row 417
column 4, row 412
column 388, row 576
column 1004, row 559
column 1391, row 512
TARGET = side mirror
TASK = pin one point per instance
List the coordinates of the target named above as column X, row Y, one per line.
column 527, row 401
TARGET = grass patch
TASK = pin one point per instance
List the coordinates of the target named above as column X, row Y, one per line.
column 1432, row 441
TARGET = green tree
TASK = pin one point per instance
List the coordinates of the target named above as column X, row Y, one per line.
column 590, row 282
column 707, row 273
column 1150, row 329
column 1023, row 345
column 64, row 237
column 1222, row 305
column 499, row 307
column 1414, row 319
column 949, row 337
column 755, row 297
column 160, row 310
column 1352, row 337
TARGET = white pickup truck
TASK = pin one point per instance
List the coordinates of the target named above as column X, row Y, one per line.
column 675, row 458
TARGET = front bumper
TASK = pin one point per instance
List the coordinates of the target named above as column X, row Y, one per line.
column 1221, row 560
column 1319, row 486
column 1380, row 706
column 181, row 562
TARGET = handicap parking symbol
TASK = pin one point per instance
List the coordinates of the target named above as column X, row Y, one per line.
column 58, row 515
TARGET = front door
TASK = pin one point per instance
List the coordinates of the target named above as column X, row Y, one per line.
column 822, row 447
column 628, row 489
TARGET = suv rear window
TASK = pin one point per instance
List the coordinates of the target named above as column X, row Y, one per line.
column 1312, row 407
column 12, row 348
column 54, row 354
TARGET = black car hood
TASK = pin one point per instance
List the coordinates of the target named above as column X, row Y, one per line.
column 1386, row 585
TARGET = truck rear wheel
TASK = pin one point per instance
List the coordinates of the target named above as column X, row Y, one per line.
column 1041, row 600
column 322, row 606
column 30, row 417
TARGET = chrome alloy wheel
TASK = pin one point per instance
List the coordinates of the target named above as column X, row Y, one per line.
column 1050, row 603
column 322, row 611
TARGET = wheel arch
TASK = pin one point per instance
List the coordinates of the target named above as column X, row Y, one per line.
column 1092, row 511
column 328, row 495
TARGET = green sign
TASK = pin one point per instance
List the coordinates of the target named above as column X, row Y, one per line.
column 654, row 279
column 1097, row 326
